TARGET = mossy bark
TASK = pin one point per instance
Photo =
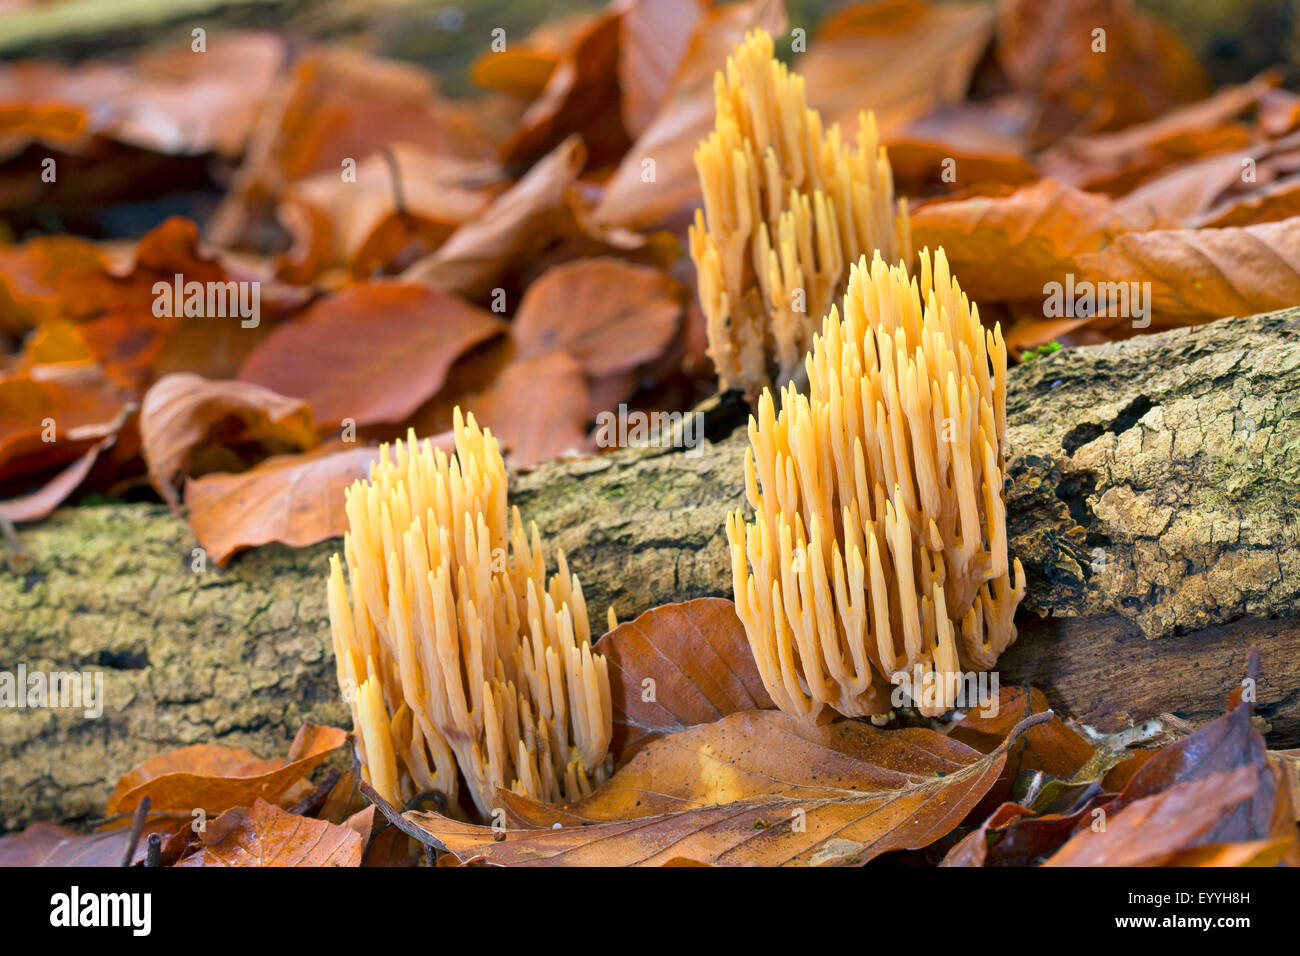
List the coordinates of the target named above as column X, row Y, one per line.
column 1153, row 501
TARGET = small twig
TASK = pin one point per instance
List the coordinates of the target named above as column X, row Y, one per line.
column 311, row 804
column 395, row 175
column 137, row 827
column 153, row 850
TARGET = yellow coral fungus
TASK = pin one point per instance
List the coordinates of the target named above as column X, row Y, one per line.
column 460, row 651
column 878, row 549
column 787, row 207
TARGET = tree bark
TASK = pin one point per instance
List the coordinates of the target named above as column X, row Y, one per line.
column 1152, row 499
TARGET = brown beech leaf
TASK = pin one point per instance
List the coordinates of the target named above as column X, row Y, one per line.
column 182, row 413
column 1249, row 853
column 1115, row 162
column 975, row 142
column 579, row 98
column 35, row 505
column 653, row 37
column 520, row 224
column 1051, row 747
column 268, row 836
column 293, row 499
column 537, row 407
column 755, row 787
column 1013, row 836
column 1009, row 247
column 220, row 778
column 373, row 352
column 900, row 59
column 114, row 309
column 335, row 105
column 70, row 403
column 1198, row 275
column 698, row 659
column 608, row 314
column 46, row 844
column 33, row 276
column 684, row 119
column 1151, row 830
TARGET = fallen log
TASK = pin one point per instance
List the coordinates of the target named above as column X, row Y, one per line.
column 1153, row 496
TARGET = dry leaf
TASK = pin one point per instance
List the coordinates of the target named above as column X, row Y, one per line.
column 608, row 314
column 755, row 787
column 697, row 661
column 217, row 778
column 183, row 413
column 1008, row 248
column 1197, row 275
column 632, row 200
column 292, row 499
column 268, row 836
column 1153, row 829
column 372, row 353
column 901, row 59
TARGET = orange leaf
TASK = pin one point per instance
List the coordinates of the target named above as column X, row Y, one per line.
column 756, row 787
column 1201, row 274
column 900, row 59
column 182, row 413
column 698, row 659
column 217, row 778
column 372, row 353
column 268, row 836
column 1009, row 247
column 1152, row 830
column 293, row 499
column 608, row 314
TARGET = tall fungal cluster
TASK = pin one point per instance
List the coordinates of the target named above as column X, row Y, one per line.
column 459, row 652
column 877, row 552
column 787, row 207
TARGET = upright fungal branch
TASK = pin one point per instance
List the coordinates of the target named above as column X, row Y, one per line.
column 787, row 207
column 877, row 554
column 461, row 651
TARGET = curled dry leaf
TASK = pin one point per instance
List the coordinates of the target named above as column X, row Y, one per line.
column 182, row 413
column 265, row 835
column 1115, row 162
column 676, row 666
column 1152, row 830
column 755, row 787
column 220, row 778
column 580, row 98
column 519, row 224
column 1198, row 275
column 372, row 353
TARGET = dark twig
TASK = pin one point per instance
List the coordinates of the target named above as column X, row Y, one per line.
column 311, row 804
column 153, row 850
column 137, row 827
